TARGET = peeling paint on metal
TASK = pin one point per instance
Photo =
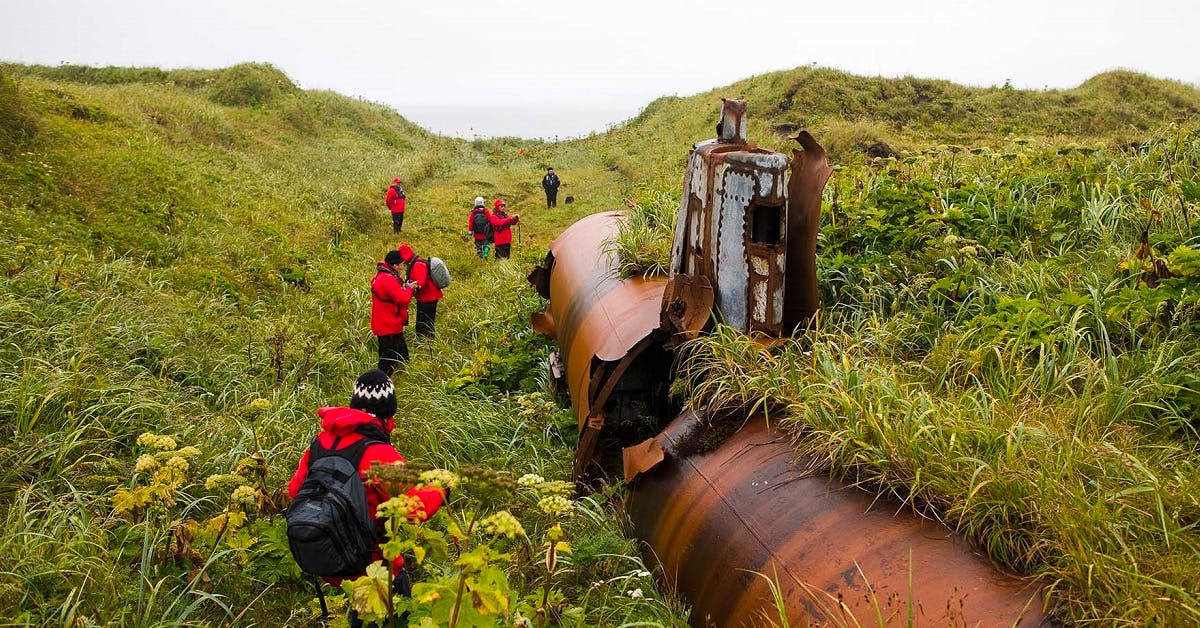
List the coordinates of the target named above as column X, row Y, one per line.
column 732, row 270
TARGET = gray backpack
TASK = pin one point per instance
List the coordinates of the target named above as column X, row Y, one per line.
column 329, row 528
column 439, row 273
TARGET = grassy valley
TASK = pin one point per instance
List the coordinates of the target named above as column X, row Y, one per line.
column 1008, row 338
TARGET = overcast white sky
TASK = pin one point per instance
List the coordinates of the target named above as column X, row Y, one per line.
column 545, row 68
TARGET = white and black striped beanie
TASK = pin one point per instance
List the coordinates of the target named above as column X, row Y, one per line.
column 374, row 394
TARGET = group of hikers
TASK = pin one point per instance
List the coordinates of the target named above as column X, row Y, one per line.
column 401, row 277
column 491, row 227
column 332, row 529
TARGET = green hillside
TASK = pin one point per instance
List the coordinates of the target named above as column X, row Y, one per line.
column 186, row 253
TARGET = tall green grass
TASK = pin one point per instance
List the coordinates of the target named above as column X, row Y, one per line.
column 187, row 252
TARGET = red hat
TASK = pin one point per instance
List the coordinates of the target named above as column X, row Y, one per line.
column 499, row 203
column 406, row 252
column 396, row 180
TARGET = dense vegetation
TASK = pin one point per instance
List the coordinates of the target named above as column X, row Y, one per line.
column 1007, row 340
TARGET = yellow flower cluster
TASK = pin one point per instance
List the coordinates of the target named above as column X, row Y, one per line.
column 556, row 487
column 502, row 524
column 439, row 477
column 244, row 495
column 160, row 442
column 555, row 505
column 145, row 463
column 535, row 405
column 177, row 463
column 544, row 487
column 256, row 407
column 221, row 480
column 402, row 507
column 530, row 480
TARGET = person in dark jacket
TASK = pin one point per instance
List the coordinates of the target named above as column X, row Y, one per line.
column 550, row 184
column 480, row 228
column 389, row 311
column 370, row 415
column 502, row 228
column 427, row 292
column 395, row 201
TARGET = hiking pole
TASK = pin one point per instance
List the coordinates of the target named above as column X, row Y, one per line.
column 320, row 595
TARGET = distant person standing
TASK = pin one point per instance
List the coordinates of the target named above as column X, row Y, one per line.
column 550, row 183
column 389, row 311
column 502, row 227
column 428, row 293
column 479, row 224
column 395, row 202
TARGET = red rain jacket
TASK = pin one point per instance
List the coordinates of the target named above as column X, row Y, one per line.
column 394, row 200
column 342, row 425
column 418, row 271
column 389, row 302
column 502, row 227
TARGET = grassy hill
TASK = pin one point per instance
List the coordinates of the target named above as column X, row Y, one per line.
column 187, row 253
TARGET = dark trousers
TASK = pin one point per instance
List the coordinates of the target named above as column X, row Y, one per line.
column 552, row 198
column 503, row 251
column 426, row 313
column 400, row 584
column 397, row 221
column 392, row 351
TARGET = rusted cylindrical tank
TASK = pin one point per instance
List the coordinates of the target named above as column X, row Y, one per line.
column 735, row 525
column 713, row 520
column 722, row 524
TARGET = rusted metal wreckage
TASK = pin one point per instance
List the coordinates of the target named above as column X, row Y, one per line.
column 723, row 521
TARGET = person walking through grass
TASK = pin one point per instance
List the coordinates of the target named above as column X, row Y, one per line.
column 502, row 228
column 360, row 434
column 479, row 225
column 395, row 201
column 427, row 291
column 389, row 311
column 550, row 184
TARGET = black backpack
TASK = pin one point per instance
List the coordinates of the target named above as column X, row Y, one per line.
column 328, row 523
column 480, row 224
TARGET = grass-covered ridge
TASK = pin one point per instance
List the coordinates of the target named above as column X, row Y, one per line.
column 186, row 252
column 187, row 261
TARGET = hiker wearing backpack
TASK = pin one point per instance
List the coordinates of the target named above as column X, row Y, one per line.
column 331, row 525
column 479, row 224
column 389, row 311
column 395, row 202
column 550, row 184
column 502, row 228
column 428, row 277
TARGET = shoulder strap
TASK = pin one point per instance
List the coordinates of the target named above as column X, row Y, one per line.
column 353, row 453
column 376, row 292
column 412, row 262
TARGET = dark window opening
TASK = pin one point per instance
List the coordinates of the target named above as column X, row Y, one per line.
column 765, row 224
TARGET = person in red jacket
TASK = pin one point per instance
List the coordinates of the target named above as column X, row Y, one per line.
column 395, row 202
column 428, row 294
column 480, row 228
column 502, row 228
column 371, row 415
column 389, row 311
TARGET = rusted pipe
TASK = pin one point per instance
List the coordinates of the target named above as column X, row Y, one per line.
column 722, row 524
column 601, row 322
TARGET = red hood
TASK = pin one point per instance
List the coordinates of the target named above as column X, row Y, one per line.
column 345, row 421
